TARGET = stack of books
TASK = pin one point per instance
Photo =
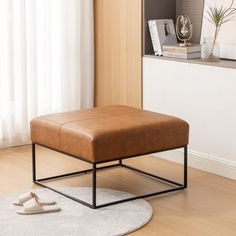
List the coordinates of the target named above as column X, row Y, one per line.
column 175, row 51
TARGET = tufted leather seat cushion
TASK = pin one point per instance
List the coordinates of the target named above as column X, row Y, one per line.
column 110, row 132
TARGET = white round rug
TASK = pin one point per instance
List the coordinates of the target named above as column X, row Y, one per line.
column 74, row 219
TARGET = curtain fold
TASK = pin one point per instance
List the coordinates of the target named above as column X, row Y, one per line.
column 46, row 62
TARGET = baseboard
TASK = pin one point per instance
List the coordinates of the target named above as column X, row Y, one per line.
column 204, row 162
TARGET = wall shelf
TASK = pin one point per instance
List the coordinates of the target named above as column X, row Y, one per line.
column 223, row 63
column 203, row 93
column 170, row 9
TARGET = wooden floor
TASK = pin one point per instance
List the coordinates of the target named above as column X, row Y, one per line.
column 207, row 207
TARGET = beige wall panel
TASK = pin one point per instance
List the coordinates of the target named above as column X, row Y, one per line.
column 118, row 66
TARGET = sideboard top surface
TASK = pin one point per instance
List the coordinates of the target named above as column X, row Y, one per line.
column 223, row 63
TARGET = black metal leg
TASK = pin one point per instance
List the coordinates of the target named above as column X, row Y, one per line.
column 185, row 166
column 94, row 169
column 33, row 163
column 94, row 185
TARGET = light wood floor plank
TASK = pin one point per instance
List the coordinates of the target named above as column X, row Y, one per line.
column 207, row 207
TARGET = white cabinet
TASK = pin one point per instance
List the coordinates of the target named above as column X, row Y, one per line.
column 203, row 95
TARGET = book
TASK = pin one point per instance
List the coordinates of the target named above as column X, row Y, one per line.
column 177, row 48
column 154, row 37
column 179, row 55
column 162, row 32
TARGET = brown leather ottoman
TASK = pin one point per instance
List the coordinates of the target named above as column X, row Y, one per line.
column 109, row 133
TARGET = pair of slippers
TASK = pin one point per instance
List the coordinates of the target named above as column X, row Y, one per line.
column 30, row 203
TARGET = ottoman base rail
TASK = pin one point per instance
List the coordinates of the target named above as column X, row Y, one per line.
column 95, row 168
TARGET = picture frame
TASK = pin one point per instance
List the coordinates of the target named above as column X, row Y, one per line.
column 162, row 32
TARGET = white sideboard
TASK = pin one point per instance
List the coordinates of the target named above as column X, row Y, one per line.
column 203, row 95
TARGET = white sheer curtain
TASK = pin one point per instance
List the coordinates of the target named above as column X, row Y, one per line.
column 46, row 62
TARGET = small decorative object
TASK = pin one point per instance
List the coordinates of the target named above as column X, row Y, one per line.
column 217, row 16
column 184, row 30
column 210, row 50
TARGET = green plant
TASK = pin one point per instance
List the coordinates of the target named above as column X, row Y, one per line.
column 219, row 16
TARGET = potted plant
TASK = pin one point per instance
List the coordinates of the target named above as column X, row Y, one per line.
column 217, row 16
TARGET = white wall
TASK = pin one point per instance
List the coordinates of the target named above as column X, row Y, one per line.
column 227, row 34
column 205, row 96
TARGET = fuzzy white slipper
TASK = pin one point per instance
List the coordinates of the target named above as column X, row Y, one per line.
column 33, row 206
column 27, row 196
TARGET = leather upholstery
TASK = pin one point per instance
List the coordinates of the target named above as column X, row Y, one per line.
column 110, row 132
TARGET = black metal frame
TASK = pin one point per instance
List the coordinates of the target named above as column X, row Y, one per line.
column 94, row 170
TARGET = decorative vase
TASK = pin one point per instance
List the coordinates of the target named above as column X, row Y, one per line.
column 210, row 50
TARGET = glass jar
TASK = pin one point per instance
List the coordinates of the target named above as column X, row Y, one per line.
column 210, row 50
